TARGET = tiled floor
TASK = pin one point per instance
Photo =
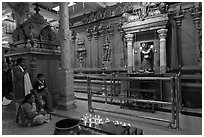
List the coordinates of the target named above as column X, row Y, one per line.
column 189, row 125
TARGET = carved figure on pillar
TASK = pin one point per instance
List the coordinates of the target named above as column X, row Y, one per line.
column 81, row 51
column 89, row 33
column 106, row 51
column 146, row 53
column 100, row 30
column 95, row 33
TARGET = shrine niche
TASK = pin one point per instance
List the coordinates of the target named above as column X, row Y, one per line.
column 48, row 38
column 146, row 50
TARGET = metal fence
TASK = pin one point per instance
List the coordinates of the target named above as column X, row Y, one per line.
column 115, row 81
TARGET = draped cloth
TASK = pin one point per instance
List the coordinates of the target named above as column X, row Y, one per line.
column 27, row 84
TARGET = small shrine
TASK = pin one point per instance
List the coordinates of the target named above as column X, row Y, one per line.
column 35, row 35
column 145, row 30
column 36, row 40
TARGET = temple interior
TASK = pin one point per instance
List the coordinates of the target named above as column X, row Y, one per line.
column 135, row 62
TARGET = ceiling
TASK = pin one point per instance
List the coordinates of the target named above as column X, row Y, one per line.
column 46, row 9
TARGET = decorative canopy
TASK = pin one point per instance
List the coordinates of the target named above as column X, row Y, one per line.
column 146, row 16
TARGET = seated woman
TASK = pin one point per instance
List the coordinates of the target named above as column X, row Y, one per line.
column 28, row 115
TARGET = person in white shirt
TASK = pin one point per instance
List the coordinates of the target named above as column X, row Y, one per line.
column 22, row 84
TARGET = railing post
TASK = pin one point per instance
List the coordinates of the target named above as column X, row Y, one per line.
column 172, row 101
column 113, row 76
column 178, row 103
column 105, row 88
column 89, row 95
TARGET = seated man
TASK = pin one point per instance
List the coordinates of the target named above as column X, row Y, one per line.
column 42, row 94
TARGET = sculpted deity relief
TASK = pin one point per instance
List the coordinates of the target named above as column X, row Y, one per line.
column 106, row 51
column 146, row 54
column 145, row 10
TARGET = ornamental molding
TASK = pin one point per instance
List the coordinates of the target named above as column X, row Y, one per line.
column 146, row 25
column 145, row 10
column 104, row 13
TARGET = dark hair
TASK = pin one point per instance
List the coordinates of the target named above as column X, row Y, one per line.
column 19, row 60
column 27, row 97
column 39, row 75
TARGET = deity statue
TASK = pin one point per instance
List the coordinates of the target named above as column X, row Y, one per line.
column 107, row 51
column 144, row 6
column 146, row 53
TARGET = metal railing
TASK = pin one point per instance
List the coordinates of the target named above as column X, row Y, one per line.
column 174, row 103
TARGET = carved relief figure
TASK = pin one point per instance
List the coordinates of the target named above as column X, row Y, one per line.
column 146, row 53
column 130, row 18
column 81, row 51
column 145, row 10
column 107, row 51
column 144, row 7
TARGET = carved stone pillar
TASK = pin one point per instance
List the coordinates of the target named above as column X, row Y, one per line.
column 66, row 97
column 89, row 36
column 74, row 36
column 162, row 37
column 101, row 31
column 178, row 18
column 95, row 34
column 123, row 49
column 129, row 39
column 110, row 30
column 196, row 13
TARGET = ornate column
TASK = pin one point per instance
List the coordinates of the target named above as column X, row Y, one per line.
column 95, row 34
column 74, row 36
column 123, row 49
column 129, row 39
column 196, row 13
column 101, row 34
column 66, row 97
column 162, row 37
column 178, row 18
column 110, row 30
column 89, row 36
